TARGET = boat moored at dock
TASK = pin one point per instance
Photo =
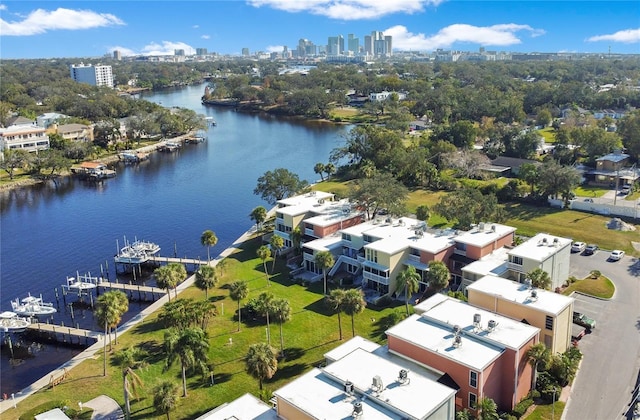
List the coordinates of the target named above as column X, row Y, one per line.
column 10, row 322
column 32, row 306
column 137, row 252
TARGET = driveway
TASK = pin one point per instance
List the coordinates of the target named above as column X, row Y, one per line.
column 604, row 384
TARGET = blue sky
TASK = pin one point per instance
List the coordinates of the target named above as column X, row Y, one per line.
column 92, row 28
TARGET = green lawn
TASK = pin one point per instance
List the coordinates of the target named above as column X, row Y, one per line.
column 312, row 332
column 549, row 134
column 590, row 191
column 601, row 287
column 547, row 412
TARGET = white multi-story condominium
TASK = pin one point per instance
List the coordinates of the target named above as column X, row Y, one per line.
column 543, row 251
column 23, row 134
column 93, row 75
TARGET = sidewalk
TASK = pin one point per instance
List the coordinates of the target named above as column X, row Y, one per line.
column 97, row 347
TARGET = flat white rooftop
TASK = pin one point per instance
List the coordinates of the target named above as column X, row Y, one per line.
column 437, row 338
column 507, row 332
column 540, row 247
column 331, row 213
column 246, row 407
column 320, row 393
column 484, row 233
column 495, row 263
column 545, row 301
column 324, row 244
column 347, row 347
column 308, row 199
column 404, row 233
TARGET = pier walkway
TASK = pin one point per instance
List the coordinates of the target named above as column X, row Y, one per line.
column 193, row 261
column 65, row 332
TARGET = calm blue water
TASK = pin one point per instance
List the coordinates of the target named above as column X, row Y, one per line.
column 48, row 233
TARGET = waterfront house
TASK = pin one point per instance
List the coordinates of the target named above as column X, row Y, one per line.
column 22, row 133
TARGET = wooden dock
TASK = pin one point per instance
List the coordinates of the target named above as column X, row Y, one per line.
column 65, row 334
column 167, row 260
column 132, row 288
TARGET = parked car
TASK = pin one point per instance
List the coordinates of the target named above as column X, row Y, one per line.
column 591, row 249
column 578, row 246
column 616, row 255
column 625, row 190
column 583, row 320
column 588, row 200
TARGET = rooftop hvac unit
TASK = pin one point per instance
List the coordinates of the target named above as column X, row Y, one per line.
column 556, row 242
column 476, row 320
column 492, row 325
column 457, row 341
column 357, row 409
column 403, row 376
column 544, row 241
column 348, row 388
column 493, row 228
column 480, row 226
column 456, row 329
column 377, row 384
column 534, row 294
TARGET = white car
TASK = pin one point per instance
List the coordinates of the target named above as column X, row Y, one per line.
column 616, row 255
column 578, row 246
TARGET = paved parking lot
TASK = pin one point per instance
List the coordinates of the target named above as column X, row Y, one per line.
column 609, row 370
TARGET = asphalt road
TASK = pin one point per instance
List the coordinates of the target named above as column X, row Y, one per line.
column 603, row 387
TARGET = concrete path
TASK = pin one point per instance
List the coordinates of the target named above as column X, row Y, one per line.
column 105, row 408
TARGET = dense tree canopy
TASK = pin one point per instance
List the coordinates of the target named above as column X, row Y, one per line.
column 278, row 184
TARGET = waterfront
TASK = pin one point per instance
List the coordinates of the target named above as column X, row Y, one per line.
column 50, row 232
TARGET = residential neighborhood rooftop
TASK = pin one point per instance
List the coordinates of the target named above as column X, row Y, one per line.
column 320, row 393
column 546, row 301
column 349, row 346
column 246, row 407
column 540, row 247
column 308, row 199
column 449, row 311
column 494, row 263
column 484, row 233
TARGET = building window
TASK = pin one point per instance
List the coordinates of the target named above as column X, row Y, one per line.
column 473, row 400
column 473, row 379
column 516, row 260
column 548, row 323
column 346, row 237
column 372, row 255
column 460, row 246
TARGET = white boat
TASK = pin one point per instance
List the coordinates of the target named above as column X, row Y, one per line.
column 136, row 252
column 81, row 284
column 32, row 306
column 10, row 322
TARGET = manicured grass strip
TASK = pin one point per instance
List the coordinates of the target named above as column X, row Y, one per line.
column 549, row 134
column 601, row 287
column 589, row 191
column 547, row 411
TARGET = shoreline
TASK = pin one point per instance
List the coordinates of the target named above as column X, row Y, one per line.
column 107, row 160
column 97, row 347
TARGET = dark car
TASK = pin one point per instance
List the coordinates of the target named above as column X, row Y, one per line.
column 591, row 249
column 583, row 320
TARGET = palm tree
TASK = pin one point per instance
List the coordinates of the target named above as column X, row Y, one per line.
column 324, row 260
column 296, row 239
column 539, row 278
column 281, row 311
column 238, row 290
column 353, row 304
column 206, row 279
column 258, row 215
column 487, row 409
column 190, row 346
column 537, row 355
column 261, row 362
column 335, row 301
column 109, row 310
column 329, row 169
column 264, row 308
column 165, row 397
column 264, row 253
column 129, row 360
column 408, row 278
column 319, row 169
column 277, row 243
column 208, row 239
column 438, row 276
column 169, row 276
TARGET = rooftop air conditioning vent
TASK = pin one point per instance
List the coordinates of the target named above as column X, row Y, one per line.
column 544, row 241
column 477, row 320
column 357, row 409
column 457, row 341
column 556, row 242
column 377, row 385
column 491, row 325
column 348, row 388
column 456, row 329
column 493, row 228
column 403, row 376
column 534, row 294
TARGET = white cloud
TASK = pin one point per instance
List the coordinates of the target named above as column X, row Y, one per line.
column 167, row 48
column 347, row 9
column 195, row 26
column 496, row 35
column 40, row 21
column 627, row 36
column 3, row 7
column 205, row 36
column 274, row 48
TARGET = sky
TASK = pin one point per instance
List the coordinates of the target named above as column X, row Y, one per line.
column 93, row 28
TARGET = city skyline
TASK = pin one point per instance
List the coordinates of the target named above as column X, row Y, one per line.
column 45, row 29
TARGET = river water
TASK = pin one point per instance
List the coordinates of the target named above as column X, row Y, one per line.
column 51, row 232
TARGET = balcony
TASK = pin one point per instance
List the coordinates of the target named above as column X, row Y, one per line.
column 380, row 279
column 515, row 267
